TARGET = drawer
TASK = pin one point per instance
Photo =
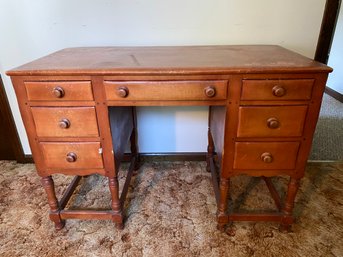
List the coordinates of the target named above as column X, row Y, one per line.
column 85, row 155
column 166, row 90
column 265, row 155
column 285, row 89
column 65, row 121
column 59, row 91
column 271, row 121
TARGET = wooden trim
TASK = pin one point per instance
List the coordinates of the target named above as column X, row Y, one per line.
column 87, row 214
column 327, row 30
column 338, row 96
column 13, row 134
column 27, row 159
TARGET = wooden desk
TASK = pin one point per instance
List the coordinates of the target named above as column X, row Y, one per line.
column 78, row 107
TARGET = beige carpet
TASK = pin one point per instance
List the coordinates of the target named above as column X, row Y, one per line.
column 328, row 141
column 171, row 213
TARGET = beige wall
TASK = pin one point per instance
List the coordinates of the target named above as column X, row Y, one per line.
column 30, row 29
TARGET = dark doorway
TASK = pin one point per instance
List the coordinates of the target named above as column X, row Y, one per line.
column 10, row 147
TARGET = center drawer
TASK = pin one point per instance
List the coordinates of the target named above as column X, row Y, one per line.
column 271, row 121
column 65, row 121
column 166, row 90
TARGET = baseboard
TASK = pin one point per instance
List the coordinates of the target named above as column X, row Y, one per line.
column 27, row 159
column 326, row 161
column 182, row 156
column 338, row 96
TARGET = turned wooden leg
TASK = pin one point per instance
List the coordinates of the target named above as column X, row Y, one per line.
column 287, row 220
column 210, row 150
column 116, row 206
column 222, row 206
column 54, row 215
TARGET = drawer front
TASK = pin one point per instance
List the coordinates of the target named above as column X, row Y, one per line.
column 271, row 121
column 166, row 90
column 83, row 155
column 265, row 155
column 59, row 91
column 288, row 89
column 65, row 121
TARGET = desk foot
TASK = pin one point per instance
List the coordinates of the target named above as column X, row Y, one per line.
column 221, row 227
column 287, row 220
column 114, row 189
column 49, row 187
column 120, row 226
column 285, row 228
column 59, row 225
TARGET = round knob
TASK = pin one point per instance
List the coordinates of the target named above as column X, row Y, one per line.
column 267, row 157
column 64, row 123
column 273, row 123
column 71, row 157
column 210, row 91
column 279, row 91
column 58, row 92
column 123, row 92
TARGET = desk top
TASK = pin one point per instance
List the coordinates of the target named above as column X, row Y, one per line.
column 171, row 60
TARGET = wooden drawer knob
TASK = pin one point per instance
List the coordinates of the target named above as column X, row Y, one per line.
column 58, row 92
column 71, row 157
column 123, row 92
column 267, row 157
column 279, row 91
column 210, row 91
column 273, row 123
column 64, row 123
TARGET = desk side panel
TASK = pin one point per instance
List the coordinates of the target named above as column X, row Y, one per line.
column 24, row 107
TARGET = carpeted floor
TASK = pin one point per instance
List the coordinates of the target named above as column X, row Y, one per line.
column 171, row 213
column 328, row 139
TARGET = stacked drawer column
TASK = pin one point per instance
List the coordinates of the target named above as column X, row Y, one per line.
column 269, row 137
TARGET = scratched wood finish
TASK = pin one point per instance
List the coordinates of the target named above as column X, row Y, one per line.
column 171, row 60
column 264, row 105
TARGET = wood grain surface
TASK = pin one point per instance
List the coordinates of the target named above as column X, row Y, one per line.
column 169, row 60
